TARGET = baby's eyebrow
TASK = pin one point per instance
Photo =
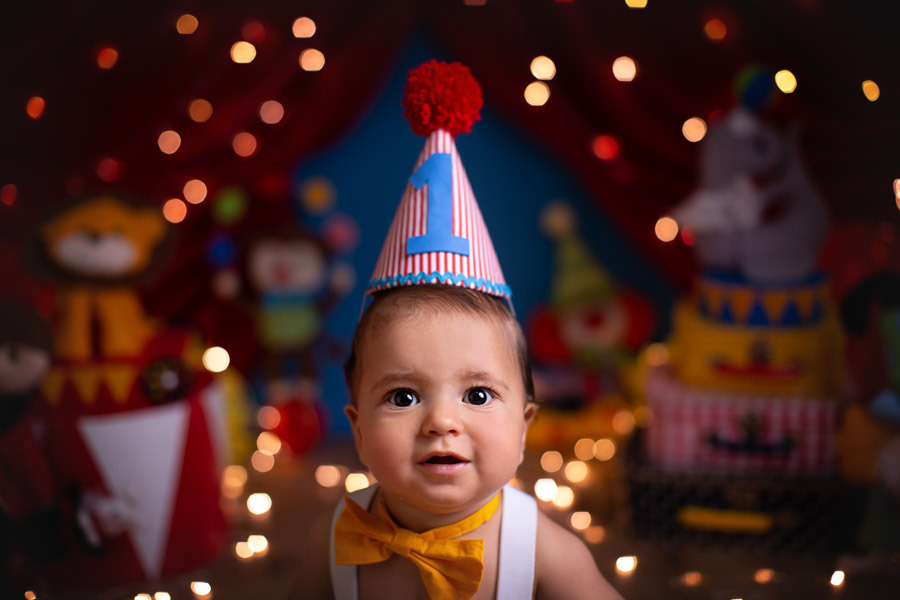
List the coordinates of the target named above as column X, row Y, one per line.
column 391, row 379
column 482, row 377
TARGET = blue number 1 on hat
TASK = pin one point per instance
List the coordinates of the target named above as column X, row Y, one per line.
column 437, row 172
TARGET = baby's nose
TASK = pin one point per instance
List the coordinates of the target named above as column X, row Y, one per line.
column 443, row 418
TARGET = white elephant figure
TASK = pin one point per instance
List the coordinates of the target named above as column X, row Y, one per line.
column 756, row 211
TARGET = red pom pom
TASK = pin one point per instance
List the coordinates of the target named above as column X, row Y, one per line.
column 441, row 96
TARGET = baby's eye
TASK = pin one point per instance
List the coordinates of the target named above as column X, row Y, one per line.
column 478, row 396
column 403, row 398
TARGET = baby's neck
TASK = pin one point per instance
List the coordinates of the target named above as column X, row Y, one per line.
column 419, row 520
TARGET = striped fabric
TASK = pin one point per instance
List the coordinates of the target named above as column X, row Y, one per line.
column 696, row 430
column 479, row 270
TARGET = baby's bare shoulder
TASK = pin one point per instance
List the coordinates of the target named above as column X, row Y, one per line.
column 564, row 567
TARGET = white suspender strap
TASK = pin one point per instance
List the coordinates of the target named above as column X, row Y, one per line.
column 343, row 577
column 518, row 534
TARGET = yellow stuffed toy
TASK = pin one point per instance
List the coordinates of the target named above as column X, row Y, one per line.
column 100, row 243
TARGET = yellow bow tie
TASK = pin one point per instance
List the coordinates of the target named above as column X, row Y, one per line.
column 450, row 568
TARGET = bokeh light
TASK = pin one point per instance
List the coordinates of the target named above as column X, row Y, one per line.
column 576, row 471
column 764, row 576
column 837, row 578
column 897, row 192
column 624, row 69
column 201, row 588
column 871, row 90
column 666, row 229
column 200, row 110
column 543, row 68
column 715, row 30
column 328, row 476
column 626, row 564
column 234, row 477
column 636, row 3
column 692, row 578
column 262, row 462
column 551, row 461
column 107, row 58
column 356, row 481
column 656, row 354
column 162, row 596
column 244, row 144
column 195, row 191
column 584, row 449
column 594, row 534
column 142, row 597
column 108, row 169
column 230, row 205
column 623, row 422
column 259, row 503
column 243, row 550
column 271, row 112
column 174, row 210
column 258, row 543
column 304, row 27
column 580, row 520
column 341, row 232
column 605, row 147
column 545, row 489
column 216, row 359
column 694, row 129
column 243, row 52
column 29, row 595
column 785, row 81
column 169, row 141
column 564, row 497
column 318, row 195
column 268, row 417
column 312, row 60
column 268, row 443
column 537, row 93
column 604, row 449
column 8, row 194
column 186, row 24
column 35, row 107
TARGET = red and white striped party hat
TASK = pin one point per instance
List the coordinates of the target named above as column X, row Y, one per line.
column 438, row 234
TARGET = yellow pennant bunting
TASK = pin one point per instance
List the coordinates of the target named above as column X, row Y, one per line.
column 119, row 379
column 805, row 300
column 775, row 304
column 741, row 303
column 714, row 300
column 87, row 380
column 52, row 385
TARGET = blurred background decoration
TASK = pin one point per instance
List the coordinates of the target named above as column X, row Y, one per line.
column 695, row 205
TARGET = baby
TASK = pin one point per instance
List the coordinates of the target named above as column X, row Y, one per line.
column 442, row 396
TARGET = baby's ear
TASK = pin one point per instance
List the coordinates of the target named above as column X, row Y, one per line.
column 353, row 415
column 530, row 410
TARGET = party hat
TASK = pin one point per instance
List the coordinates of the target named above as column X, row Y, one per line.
column 579, row 279
column 438, row 234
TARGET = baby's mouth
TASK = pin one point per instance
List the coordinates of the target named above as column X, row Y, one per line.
column 444, row 465
column 443, row 460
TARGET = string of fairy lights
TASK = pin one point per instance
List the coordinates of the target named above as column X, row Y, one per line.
column 551, row 491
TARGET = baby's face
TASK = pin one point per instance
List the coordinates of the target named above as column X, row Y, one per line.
column 441, row 411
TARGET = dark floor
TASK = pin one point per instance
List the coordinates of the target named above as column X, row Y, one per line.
column 296, row 566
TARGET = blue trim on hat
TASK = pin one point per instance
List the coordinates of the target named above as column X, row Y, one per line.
column 497, row 289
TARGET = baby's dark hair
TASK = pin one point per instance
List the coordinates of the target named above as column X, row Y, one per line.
column 436, row 298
